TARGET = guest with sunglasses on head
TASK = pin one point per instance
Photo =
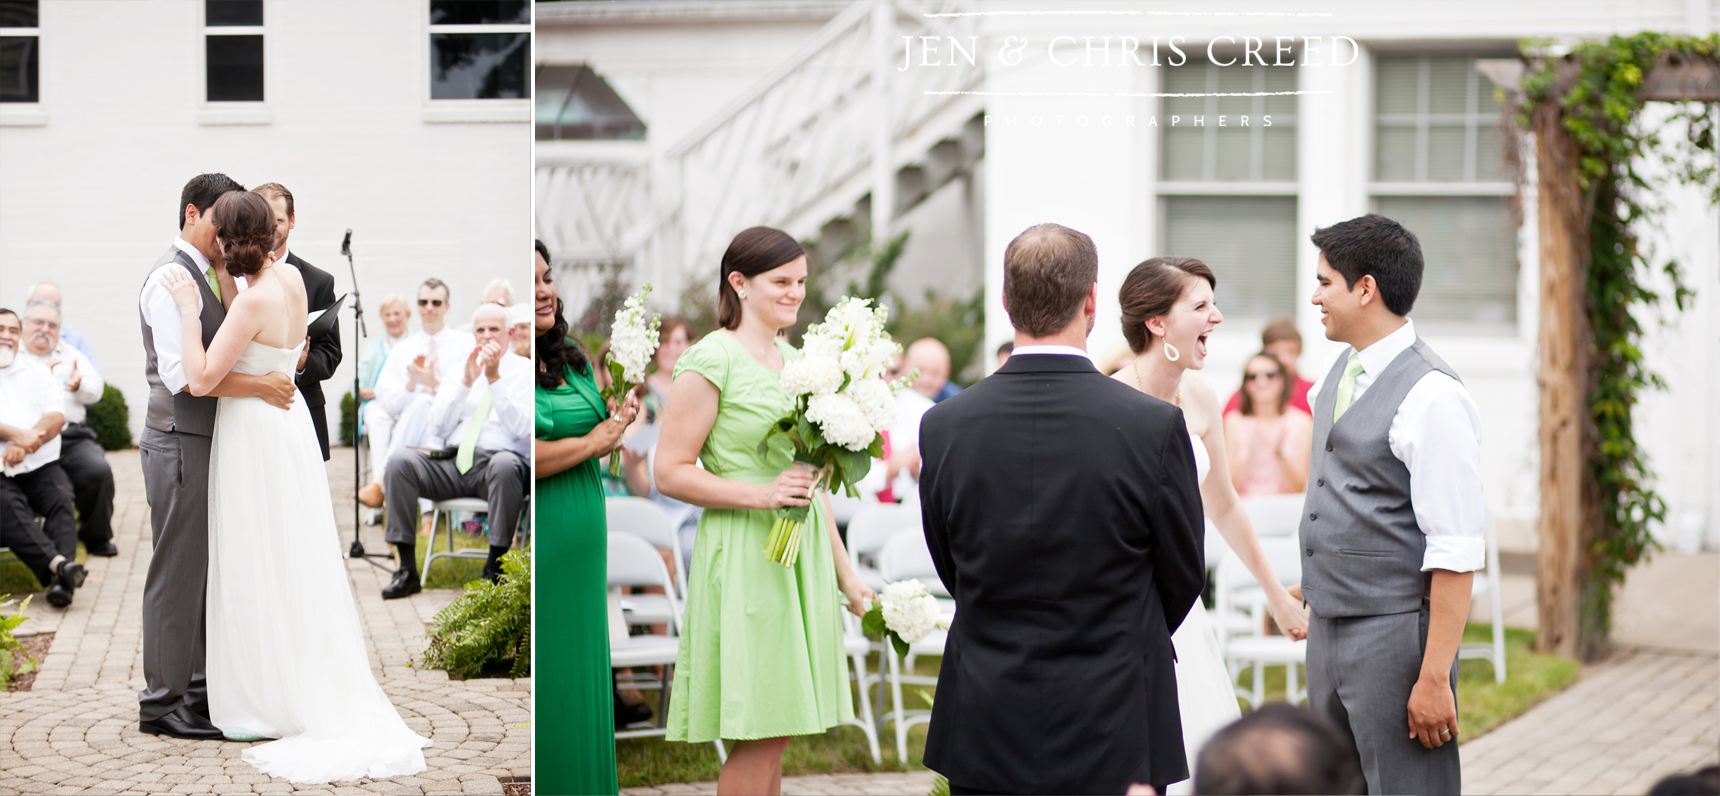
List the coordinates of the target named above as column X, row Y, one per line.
column 1267, row 439
column 417, row 366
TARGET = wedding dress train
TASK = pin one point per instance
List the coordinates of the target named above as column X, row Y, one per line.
column 286, row 656
column 1206, row 695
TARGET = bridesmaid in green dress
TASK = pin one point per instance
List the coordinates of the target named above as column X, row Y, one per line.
column 761, row 647
column 574, row 715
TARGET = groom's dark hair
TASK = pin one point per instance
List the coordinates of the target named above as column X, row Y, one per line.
column 1048, row 272
column 1376, row 246
column 203, row 190
column 1278, row 749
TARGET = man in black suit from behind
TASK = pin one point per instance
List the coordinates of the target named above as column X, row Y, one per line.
column 1062, row 512
column 322, row 354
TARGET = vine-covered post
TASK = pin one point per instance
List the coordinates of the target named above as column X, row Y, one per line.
column 1598, row 502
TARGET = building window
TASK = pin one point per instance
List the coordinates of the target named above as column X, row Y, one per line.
column 1227, row 182
column 575, row 103
column 20, row 53
column 233, row 50
column 1439, row 169
column 479, row 49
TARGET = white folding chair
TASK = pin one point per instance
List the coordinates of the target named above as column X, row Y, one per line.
column 906, row 556
column 453, row 508
column 858, row 647
column 1236, row 590
column 1487, row 583
column 648, row 521
column 843, row 508
column 1275, row 515
column 869, row 529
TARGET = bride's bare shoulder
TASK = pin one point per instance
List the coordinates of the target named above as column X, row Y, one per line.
column 1198, row 390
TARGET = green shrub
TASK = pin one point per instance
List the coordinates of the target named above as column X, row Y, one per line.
column 9, row 646
column 348, row 420
column 488, row 625
column 111, row 420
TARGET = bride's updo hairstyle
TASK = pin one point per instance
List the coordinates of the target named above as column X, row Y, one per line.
column 1151, row 290
column 753, row 252
column 246, row 226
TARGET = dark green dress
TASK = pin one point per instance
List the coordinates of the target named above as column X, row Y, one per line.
column 575, row 714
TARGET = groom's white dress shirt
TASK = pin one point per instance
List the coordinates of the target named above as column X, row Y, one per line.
column 451, row 347
column 27, row 392
column 1063, row 350
column 1436, row 433
column 166, row 325
column 90, row 382
column 509, row 425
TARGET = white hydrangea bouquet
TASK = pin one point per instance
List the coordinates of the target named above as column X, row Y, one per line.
column 841, row 404
column 632, row 343
column 906, row 612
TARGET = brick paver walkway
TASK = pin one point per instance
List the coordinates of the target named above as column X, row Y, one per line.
column 831, row 784
column 76, row 730
column 1630, row 721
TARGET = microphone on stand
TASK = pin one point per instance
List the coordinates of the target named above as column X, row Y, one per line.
column 346, row 244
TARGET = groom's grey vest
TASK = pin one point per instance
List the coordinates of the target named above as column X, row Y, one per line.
column 1364, row 550
column 181, row 411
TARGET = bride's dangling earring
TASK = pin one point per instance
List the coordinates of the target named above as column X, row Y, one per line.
column 1171, row 352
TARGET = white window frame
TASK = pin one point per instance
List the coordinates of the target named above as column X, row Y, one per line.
column 232, row 113
column 1523, row 326
column 27, row 114
column 473, row 110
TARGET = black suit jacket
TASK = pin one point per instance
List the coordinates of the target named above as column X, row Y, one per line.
column 1063, row 514
column 325, row 349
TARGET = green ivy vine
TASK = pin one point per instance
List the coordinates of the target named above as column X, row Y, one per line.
column 1601, row 106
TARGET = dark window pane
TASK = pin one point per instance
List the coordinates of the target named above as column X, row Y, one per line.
column 18, row 69
column 1249, row 242
column 17, row 13
column 235, row 67
column 574, row 102
column 218, row 13
column 1469, row 251
column 479, row 65
column 480, row 12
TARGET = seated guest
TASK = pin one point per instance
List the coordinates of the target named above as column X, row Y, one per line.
column 50, row 292
column 1268, row 441
column 1003, row 352
column 895, row 477
column 1703, row 782
column 485, row 412
column 80, row 454
column 31, row 481
column 1281, row 340
column 520, row 321
column 933, row 361
column 408, row 384
column 499, row 291
column 1278, row 749
column 378, row 423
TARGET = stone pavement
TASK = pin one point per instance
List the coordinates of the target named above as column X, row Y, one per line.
column 831, row 784
column 1633, row 719
column 76, row 730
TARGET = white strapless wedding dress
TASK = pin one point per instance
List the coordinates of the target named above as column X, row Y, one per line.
column 286, row 656
column 1206, row 693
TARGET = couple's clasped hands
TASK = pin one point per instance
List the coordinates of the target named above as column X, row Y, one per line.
column 794, row 487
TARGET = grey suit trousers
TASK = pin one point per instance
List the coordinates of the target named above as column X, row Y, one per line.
column 1361, row 670
column 497, row 476
column 176, row 481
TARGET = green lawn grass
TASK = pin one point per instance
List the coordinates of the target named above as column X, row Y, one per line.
column 1482, row 705
column 451, row 573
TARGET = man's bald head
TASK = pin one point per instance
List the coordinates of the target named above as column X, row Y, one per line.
column 933, row 361
column 1278, row 749
column 44, row 291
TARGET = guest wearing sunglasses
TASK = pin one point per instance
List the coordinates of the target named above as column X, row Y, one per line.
column 417, row 366
column 1267, row 439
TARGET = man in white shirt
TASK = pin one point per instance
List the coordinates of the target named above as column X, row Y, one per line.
column 485, row 414
column 79, row 385
column 415, row 370
column 31, row 481
column 1393, row 523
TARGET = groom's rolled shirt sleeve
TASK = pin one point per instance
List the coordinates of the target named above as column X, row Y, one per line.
column 167, row 328
column 1437, row 435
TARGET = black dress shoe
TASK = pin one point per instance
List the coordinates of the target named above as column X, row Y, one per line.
column 59, row 595
column 105, row 549
column 405, row 584
column 182, row 723
column 67, row 578
column 629, row 712
column 72, row 574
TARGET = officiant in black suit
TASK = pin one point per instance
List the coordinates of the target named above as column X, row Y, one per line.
column 319, row 359
column 1062, row 511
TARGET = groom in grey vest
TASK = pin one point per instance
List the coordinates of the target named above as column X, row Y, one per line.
column 175, row 456
column 1393, row 528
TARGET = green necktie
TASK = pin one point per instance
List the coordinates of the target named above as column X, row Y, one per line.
column 214, row 284
column 469, row 441
column 1347, row 386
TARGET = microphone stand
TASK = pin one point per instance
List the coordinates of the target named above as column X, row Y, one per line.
column 359, row 332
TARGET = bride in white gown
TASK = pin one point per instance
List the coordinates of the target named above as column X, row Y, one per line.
column 286, row 656
column 1168, row 312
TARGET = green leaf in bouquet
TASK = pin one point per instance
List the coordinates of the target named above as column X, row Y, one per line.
column 900, row 645
column 876, row 449
column 872, row 624
column 796, row 513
